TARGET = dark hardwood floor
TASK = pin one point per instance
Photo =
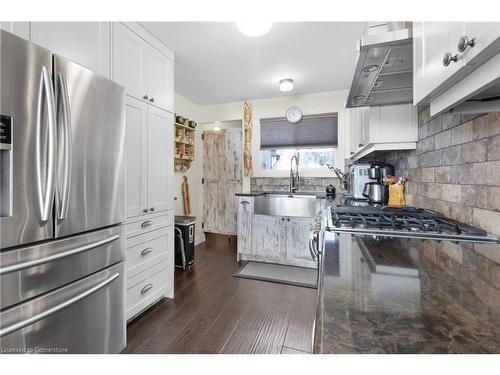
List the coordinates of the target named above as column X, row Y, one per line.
column 214, row 312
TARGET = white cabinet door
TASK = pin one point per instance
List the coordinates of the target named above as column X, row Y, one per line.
column 160, row 159
column 483, row 33
column 297, row 238
column 267, row 237
column 136, row 150
column 160, row 78
column 393, row 123
column 432, row 40
column 87, row 43
column 245, row 213
column 21, row 29
column 129, row 61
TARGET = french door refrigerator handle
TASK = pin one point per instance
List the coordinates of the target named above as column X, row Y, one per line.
column 32, row 263
column 63, row 198
column 35, row 318
column 45, row 91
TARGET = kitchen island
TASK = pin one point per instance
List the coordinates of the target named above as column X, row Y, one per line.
column 406, row 296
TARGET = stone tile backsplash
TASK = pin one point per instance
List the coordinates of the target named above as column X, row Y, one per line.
column 306, row 184
column 456, row 167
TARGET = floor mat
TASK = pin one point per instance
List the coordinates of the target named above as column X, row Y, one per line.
column 277, row 273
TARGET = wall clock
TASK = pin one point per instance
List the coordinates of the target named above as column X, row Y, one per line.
column 294, row 115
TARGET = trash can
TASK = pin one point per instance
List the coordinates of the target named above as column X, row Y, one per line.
column 184, row 241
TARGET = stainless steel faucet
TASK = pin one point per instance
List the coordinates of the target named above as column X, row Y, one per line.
column 294, row 176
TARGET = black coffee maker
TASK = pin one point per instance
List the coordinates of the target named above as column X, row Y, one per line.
column 375, row 190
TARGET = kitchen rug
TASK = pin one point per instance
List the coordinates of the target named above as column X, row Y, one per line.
column 277, row 273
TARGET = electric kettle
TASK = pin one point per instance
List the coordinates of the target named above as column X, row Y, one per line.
column 373, row 191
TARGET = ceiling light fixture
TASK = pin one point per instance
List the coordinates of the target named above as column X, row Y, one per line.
column 216, row 128
column 254, row 28
column 286, row 84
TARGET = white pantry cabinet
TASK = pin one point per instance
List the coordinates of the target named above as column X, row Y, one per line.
column 21, row 29
column 149, row 158
column 87, row 43
column 136, row 145
column 146, row 72
column 379, row 128
column 160, row 159
column 453, row 61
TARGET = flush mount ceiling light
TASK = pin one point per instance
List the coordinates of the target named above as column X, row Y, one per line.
column 370, row 68
column 216, row 128
column 254, row 28
column 286, row 84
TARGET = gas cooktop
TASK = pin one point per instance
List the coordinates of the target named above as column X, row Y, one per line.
column 407, row 222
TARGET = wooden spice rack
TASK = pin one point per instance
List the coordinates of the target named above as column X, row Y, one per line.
column 183, row 146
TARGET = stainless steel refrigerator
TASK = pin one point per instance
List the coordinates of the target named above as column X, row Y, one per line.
column 62, row 131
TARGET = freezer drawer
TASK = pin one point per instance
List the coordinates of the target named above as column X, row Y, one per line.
column 87, row 316
column 32, row 270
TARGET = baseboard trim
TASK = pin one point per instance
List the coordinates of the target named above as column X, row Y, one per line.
column 199, row 239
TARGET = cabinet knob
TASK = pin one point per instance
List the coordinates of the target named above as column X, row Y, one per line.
column 282, row 219
column 152, row 209
column 361, row 145
column 145, row 210
column 448, row 58
column 288, row 219
column 145, row 97
column 465, row 42
column 152, row 100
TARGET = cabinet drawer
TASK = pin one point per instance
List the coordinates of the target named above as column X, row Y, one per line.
column 149, row 286
column 149, row 223
column 148, row 249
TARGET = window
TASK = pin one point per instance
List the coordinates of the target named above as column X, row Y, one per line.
column 313, row 140
column 279, row 159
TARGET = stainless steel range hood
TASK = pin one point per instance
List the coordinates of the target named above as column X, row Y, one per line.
column 384, row 69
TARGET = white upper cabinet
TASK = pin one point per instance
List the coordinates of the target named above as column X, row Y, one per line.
column 136, row 127
column 447, row 58
column 87, row 43
column 146, row 73
column 431, row 42
column 379, row 128
column 476, row 37
column 129, row 61
column 160, row 159
column 160, row 78
column 21, row 29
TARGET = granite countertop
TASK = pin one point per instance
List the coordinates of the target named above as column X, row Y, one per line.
column 406, row 296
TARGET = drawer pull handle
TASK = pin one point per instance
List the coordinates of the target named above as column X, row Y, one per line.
column 146, row 251
column 147, row 223
column 245, row 202
column 146, row 288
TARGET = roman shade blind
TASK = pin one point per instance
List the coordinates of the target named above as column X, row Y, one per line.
column 312, row 131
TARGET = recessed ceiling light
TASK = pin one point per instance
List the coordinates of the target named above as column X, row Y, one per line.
column 254, row 28
column 370, row 68
column 286, row 84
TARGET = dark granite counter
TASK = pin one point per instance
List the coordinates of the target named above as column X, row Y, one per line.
column 406, row 296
